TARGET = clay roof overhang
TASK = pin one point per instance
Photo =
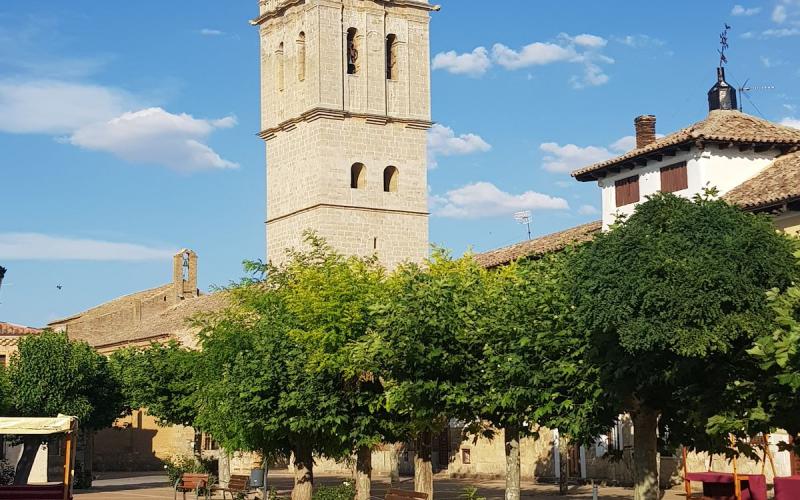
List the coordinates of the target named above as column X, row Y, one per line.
column 775, row 186
column 16, row 330
column 720, row 126
column 539, row 246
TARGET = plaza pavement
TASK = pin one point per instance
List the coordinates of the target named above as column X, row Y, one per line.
column 143, row 486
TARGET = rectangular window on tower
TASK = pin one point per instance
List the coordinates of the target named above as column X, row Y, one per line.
column 674, row 178
column 627, row 190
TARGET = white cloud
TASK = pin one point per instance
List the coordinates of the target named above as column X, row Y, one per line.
column 639, row 41
column 584, row 49
column 211, row 32
column 36, row 246
column 779, row 14
column 739, row 10
column 570, row 157
column 535, row 54
column 588, row 210
column 791, row 122
column 484, row 199
column 586, row 40
column 474, row 63
column 56, row 107
column 780, row 33
column 155, row 136
column 443, row 141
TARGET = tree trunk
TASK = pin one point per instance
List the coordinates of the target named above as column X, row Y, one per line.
column 363, row 472
column 645, row 454
column 30, row 446
column 224, row 467
column 266, row 473
column 512, row 463
column 423, row 468
column 303, row 473
column 394, row 465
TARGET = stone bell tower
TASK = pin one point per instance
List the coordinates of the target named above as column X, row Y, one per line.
column 345, row 106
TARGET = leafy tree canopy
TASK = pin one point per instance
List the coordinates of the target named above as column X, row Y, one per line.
column 51, row 374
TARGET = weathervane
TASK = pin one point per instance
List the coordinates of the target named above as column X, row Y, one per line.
column 723, row 42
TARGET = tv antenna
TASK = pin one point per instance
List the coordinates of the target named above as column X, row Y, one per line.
column 745, row 90
column 524, row 218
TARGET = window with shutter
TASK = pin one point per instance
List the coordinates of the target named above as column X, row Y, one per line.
column 627, row 190
column 674, row 178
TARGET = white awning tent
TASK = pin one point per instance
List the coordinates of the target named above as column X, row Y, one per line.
column 38, row 425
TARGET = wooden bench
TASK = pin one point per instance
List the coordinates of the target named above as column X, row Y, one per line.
column 238, row 485
column 192, row 482
column 394, row 494
column 33, row 492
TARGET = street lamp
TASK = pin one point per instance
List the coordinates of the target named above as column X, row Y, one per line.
column 524, row 218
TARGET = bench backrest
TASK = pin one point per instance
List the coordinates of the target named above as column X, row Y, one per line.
column 193, row 481
column 32, row 491
column 239, row 484
column 394, row 494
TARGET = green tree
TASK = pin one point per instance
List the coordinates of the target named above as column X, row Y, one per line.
column 160, row 378
column 428, row 328
column 283, row 367
column 531, row 373
column 50, row 375
column 671, row 298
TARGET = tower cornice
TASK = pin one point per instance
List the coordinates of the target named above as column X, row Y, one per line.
column 276, row 8
column 338, row 114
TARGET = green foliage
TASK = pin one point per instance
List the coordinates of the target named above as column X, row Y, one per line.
column 344, row 491
column 532, row 368
column 428, row 324
column 281, row 367
column 179, row 465
column 7, row 471
column 470, row 493
column 51, row 374
column 160, row 378
column 670, row 299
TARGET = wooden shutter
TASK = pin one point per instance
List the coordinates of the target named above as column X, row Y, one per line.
column 627, row 190
column 674, row 178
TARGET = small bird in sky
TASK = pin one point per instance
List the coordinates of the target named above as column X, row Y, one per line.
column 59, row 287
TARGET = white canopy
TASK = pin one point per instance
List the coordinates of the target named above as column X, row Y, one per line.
column 38, row 425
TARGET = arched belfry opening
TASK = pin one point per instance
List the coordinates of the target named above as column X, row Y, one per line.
column 358, row 176
column 301, row 56
column 390, row 179
column 391, row 57
column 351, row 51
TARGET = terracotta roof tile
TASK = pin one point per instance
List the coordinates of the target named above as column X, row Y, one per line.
column 12, row 329
column 776, row 184
column 718, row 126
column 539, row 246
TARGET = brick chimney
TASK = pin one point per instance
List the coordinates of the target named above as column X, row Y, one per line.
column 645, row 130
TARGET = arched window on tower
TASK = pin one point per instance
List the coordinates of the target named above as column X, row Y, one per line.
column 358, row 176
column 279, row 67
column 390, row 179
column 352, row 51
column 391, row 57
column 301, row 56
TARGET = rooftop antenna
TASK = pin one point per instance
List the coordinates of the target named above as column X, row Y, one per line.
column 524, row 218
column 2, row 275
column 745, row 90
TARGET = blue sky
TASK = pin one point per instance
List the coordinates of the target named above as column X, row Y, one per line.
column 128, row 128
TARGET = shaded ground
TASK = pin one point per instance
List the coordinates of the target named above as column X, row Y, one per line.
column 143, row 486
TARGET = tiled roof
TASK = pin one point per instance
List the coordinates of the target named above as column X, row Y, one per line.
column 12, row 329
column 776, row 184
column 173, row 322
column 116, row 304
column 718, row 126
column 539, row 246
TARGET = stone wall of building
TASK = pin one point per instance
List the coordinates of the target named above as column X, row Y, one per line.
column 319, row 121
